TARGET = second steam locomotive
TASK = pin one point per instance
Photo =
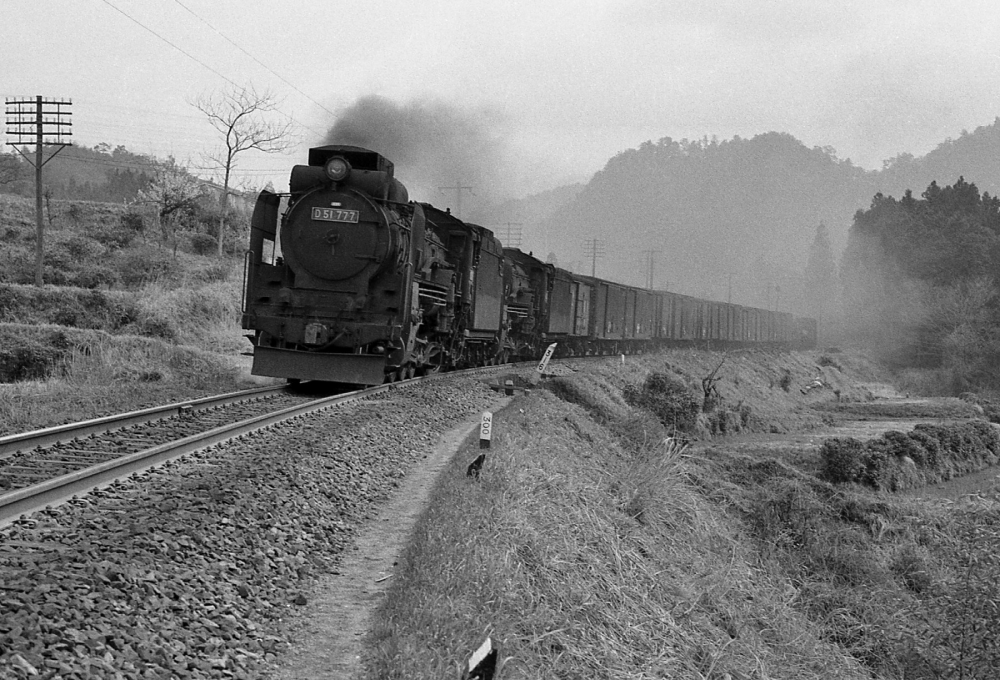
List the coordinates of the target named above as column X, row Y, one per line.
column 354, row 283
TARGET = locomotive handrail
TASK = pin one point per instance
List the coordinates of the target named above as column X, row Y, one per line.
column 246, row 280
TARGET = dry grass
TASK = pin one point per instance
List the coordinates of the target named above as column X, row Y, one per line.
column 587, row 549
column 101, row 374
column 584, row 557
column 170, row 322
column 205, row 314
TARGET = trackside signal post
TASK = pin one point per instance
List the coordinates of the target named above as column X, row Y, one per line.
column 543, row 364
column 486, row 430
column 40, row 122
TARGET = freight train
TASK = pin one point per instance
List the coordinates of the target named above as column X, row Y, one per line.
column 354, row 283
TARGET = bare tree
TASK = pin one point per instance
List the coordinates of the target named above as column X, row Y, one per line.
column 245, row 119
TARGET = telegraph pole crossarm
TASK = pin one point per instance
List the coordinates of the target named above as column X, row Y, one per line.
column 26, row 120
column 458, row 189
column 594, row 248
column 650, row 257
column 511, row 237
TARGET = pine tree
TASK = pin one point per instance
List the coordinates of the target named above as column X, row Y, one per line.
column 821, row 277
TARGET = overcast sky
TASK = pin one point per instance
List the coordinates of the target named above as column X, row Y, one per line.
column 561, row 85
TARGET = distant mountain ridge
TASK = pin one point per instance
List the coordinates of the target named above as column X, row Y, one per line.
column 733, row 219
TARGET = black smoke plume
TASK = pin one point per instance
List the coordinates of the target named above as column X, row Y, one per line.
column 432, row 145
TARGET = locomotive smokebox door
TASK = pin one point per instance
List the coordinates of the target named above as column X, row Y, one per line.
column 334, row 240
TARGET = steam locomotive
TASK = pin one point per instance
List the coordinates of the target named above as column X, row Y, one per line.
column 355, row 283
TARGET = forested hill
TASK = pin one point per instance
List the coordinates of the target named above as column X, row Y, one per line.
column 974, row 156
column 735, row 219
column 78, row 172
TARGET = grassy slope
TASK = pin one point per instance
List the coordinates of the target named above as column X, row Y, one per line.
column 587, row 550
column 130, row 324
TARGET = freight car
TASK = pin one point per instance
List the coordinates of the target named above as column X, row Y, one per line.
column 346, row 280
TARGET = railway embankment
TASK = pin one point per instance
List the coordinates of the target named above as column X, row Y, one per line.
column 195, row 569
column 590, row 548
column 587, row 546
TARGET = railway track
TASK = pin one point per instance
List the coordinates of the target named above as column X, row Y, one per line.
column 52, row 466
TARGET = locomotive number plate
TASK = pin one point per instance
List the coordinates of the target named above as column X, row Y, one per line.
column 335, row 215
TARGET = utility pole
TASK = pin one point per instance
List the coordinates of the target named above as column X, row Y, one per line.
column 38, row 121
column 512, row 237
column 458, row 189
column 593, row 248
column 650, row 258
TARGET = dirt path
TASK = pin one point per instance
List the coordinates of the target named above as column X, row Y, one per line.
column 336, row 622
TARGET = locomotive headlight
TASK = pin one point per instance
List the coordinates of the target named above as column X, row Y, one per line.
column 337, row 168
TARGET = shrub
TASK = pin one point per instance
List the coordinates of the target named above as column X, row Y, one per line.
column 144, row 265
column 728, row 420
column 133, row 222
column 877, row 472
column 826, row 360
column 95, row 276
column 911, row 565
column 155, row 326
column 669, row 399
column 900, row 444
column 29, row 362
column 843, row 459
column 215, row 272
column 929, row 445
column 111, row 235
column 80, row 248
column 30, row 354
column 935, row 451
column 204, row 244
column 17, row 263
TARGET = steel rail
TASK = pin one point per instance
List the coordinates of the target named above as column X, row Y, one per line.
column 13, row 443
column 64, row 488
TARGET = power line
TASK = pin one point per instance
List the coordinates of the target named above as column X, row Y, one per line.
column 179, row 49
column 196, row 59
column 262, row 64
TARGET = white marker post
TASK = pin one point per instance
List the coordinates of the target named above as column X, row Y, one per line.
column 543, row 364
column 486, row 430
column 482, row 664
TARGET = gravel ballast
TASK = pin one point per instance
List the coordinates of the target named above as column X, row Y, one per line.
column 194, row 570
